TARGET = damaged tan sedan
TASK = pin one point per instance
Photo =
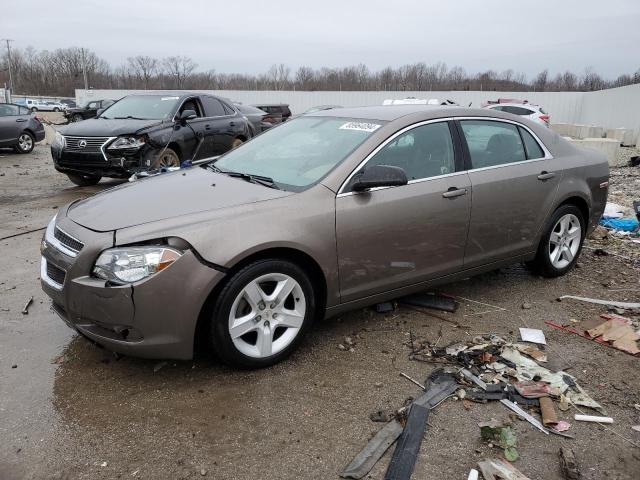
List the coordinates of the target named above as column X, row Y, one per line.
column 329, row 212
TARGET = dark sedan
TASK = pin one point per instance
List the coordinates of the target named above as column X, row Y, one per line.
column 147, row 132
column 89, row 110
column 19, row 128
column 259, row 120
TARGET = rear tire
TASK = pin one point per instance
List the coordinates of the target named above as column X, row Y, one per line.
column 236, row 143
column 34, row 109
column 83, row 180
column 26, row 142
column 561, row 243
column 76, row 117
column 56, row 109
column 262, row 314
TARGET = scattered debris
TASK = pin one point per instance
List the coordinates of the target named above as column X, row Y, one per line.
column 377, row 446
column 562, row 426
column 549, row 416
column 25, row 310
column 636, row 428
column 412, row 380
column 495, row 469
column 381, row 416
column 404, row 456
column 502, row 436
column 532, row 389
column 430, row 300
column 532, row 335
column 473, row 474
column 612, row 303
column 526, row 306
column 385, row 307
column 569, row 464
column 159, row 366
column 592, row 418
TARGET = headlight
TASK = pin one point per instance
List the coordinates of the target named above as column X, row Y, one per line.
column 59, row 140
column 126, row 143
column 130, row 264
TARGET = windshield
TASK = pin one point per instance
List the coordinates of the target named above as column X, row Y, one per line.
column 299, row 152
column 143, row 107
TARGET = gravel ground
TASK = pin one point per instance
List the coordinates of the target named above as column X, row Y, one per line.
column 69, row 410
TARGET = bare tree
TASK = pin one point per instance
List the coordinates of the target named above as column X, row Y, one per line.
column 144, row 68
column 179, row 68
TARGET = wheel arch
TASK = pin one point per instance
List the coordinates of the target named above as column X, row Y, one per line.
column 176, row 148
column 300, row 258
column 580, row 202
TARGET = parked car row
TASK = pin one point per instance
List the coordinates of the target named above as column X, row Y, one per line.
column 36, row 105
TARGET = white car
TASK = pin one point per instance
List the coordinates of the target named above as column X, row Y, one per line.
column 43, row 106
column 532, row 112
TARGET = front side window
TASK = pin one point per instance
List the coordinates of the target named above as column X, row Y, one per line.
column 492, row 143
column 299, row 153
column 422, row 152
column 212, row 107
column 143, row 107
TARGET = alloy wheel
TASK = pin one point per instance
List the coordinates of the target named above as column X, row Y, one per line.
column 267, row 315
column 564, row 241
column 25, row 142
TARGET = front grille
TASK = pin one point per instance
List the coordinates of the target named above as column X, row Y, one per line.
column 67, row 240
column 55, row 273
column 84, row 144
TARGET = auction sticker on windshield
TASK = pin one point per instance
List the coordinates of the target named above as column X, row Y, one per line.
column 360, row 126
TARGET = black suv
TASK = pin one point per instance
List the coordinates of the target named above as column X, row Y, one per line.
column 147, row 132
column 90, row 110
column 276, row 109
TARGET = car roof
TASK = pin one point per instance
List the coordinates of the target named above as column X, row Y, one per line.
column 393, row 112
column 525, row 105
column 270, row 104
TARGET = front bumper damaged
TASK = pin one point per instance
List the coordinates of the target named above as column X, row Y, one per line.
column 153, row 318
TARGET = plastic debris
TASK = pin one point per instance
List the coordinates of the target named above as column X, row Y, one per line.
column 25, row 310
column 430, row 300
column 531, row 389
column 502, row 436
column 592, row 418
column 532, row 335
column 613, row 303
column 495, row 469
column 369, row 456
column 562, row 426
column 473, row 474
column 385, row 307
column 532, row 351
column 404, row 456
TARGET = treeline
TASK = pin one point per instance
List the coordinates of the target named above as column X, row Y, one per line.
column 60, row 72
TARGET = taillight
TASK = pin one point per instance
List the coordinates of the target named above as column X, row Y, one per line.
column 544, row 118
column 269, row 119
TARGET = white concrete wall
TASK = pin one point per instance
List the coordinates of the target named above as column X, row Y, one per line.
column 614, row 108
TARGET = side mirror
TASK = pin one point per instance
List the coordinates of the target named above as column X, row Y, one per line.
column 99, row 112
column 379, row 176
column 187, row 115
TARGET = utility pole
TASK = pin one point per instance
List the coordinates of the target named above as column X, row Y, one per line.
column 8, row 41
column 84, row 70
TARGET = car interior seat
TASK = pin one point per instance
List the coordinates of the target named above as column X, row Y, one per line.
column 503, row 148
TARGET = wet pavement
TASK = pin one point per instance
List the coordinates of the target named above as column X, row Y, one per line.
column 70, row 410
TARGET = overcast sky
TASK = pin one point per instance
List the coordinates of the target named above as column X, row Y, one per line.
column 248, row 36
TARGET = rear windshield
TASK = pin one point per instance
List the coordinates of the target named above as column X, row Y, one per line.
column 300, row 152
column 143, row 107
column 248, row 109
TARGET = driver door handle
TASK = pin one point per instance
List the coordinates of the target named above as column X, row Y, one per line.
column 232, row 124
column 21, row 120
column 544, row 175
column 454, row 192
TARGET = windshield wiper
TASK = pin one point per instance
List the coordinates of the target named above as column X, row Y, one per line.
column 129, row 117
column 259, row 179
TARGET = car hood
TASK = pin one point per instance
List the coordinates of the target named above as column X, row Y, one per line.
column 104, row 127
column 165, row 196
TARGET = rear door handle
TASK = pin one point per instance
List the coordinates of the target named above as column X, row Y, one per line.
column 21, row 120
column 207, row 127
column 546, row 176
column 232, row 124
column 454, row 192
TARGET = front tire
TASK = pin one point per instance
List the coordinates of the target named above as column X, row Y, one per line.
column 561, row 242
column 262, row 314
column 56, row 109
column 83, row 180
column 168, row 158
column 236, row 143
column 76, row 117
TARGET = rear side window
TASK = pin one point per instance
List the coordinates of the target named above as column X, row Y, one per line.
column 213, row 107
column 227, row 109
column 492, row 143
column 422, row 152
column 517, row 110
column 8, row 110
column 24, row 111
column 533, row 148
